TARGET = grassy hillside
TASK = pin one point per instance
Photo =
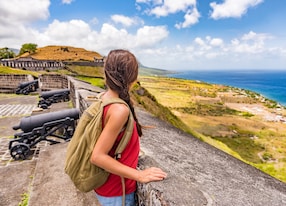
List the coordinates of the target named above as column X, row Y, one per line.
column 67, row 53
column 236, row 121
column 8, row 70
column 63, row 53
column 147, row 71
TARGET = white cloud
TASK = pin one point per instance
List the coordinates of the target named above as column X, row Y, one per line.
column 209, row 43
column 199, row 41
column 151, row 44
column 67, row 1
column 16, row 29
column 232, row 8
column 171, row 7
column 110, row 37
column 16, row 16
column 251, row 43
column 165, row 8
column 150, row 35
column 146, row 37
column 246, row 51
column 78, row 33
column 19, row 11
column 62, row 31
column 143, row 1
column 155, row 2
column 125, row 20
column 216, row 42
column 191, row 18
column 256, row 37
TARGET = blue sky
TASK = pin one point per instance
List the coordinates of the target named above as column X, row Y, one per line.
column 170, row 34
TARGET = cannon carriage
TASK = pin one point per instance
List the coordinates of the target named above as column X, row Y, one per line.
column 53, row 127
column 49, row 97
column 27, row 87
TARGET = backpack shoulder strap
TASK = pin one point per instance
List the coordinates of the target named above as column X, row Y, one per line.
column 126, row 137
column 128, row 130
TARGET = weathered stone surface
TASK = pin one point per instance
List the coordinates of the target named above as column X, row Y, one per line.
column 199, row 174
column 51, row 186
column 15, row 181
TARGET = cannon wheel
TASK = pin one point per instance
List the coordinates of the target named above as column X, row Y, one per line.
column 20, row 151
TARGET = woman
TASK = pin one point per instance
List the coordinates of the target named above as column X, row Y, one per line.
column 121, row 71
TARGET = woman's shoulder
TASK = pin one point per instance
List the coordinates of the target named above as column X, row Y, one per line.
column 118, row 110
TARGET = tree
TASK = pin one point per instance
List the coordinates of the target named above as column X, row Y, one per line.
column 6, row 53
column 29, row 47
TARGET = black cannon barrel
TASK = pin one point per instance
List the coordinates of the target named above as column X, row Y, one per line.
column 27, row 124
column 48, row 94
column 24, row 84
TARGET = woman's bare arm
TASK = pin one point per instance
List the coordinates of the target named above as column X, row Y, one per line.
column 115, row 120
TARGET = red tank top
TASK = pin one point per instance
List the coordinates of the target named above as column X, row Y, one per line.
column 113, row 187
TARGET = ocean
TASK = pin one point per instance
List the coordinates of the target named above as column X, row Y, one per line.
column 270, row 84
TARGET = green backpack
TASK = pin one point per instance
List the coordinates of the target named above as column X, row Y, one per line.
column 85, row 175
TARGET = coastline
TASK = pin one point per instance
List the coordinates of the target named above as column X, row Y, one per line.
column 239, row 122
column 269, row 84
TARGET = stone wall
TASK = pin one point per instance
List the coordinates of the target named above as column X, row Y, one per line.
column 81, row 93
column 52, row 81
column 84, row 63
column 29, row 63
column 9, row 83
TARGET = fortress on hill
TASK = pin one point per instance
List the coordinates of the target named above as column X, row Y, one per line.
column 198, row 174
column 30, row 63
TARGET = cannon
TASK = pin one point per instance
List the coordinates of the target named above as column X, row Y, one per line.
column 54, row 96
column 53, row 127
column 27, row 87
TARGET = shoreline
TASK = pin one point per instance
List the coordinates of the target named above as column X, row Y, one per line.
column 269, row 84
column 236, row 121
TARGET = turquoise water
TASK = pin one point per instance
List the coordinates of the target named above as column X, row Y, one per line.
column 270, row 84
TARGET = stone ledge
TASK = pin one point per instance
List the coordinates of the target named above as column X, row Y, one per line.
column 199, row 174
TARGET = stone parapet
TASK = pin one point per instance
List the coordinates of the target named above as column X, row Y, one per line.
column 52, row 81
column 9, row 83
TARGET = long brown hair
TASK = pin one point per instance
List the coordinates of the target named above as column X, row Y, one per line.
column 121, row 70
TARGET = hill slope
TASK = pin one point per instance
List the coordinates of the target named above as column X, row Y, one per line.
column 68, row 53
column 64, row 53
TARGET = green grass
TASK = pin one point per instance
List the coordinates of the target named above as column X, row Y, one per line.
column 206, row 109
column 246, row 147
column 201, row 109
column 99, row 82
column 24, row 200
column 8, row 70
column 271, row 169
column 146, row 71
column 87, row 71
column 149, row 102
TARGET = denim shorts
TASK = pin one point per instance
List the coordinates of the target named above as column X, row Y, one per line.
column 117, row 201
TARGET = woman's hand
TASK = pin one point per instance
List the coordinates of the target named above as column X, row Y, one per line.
column 151, row 174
